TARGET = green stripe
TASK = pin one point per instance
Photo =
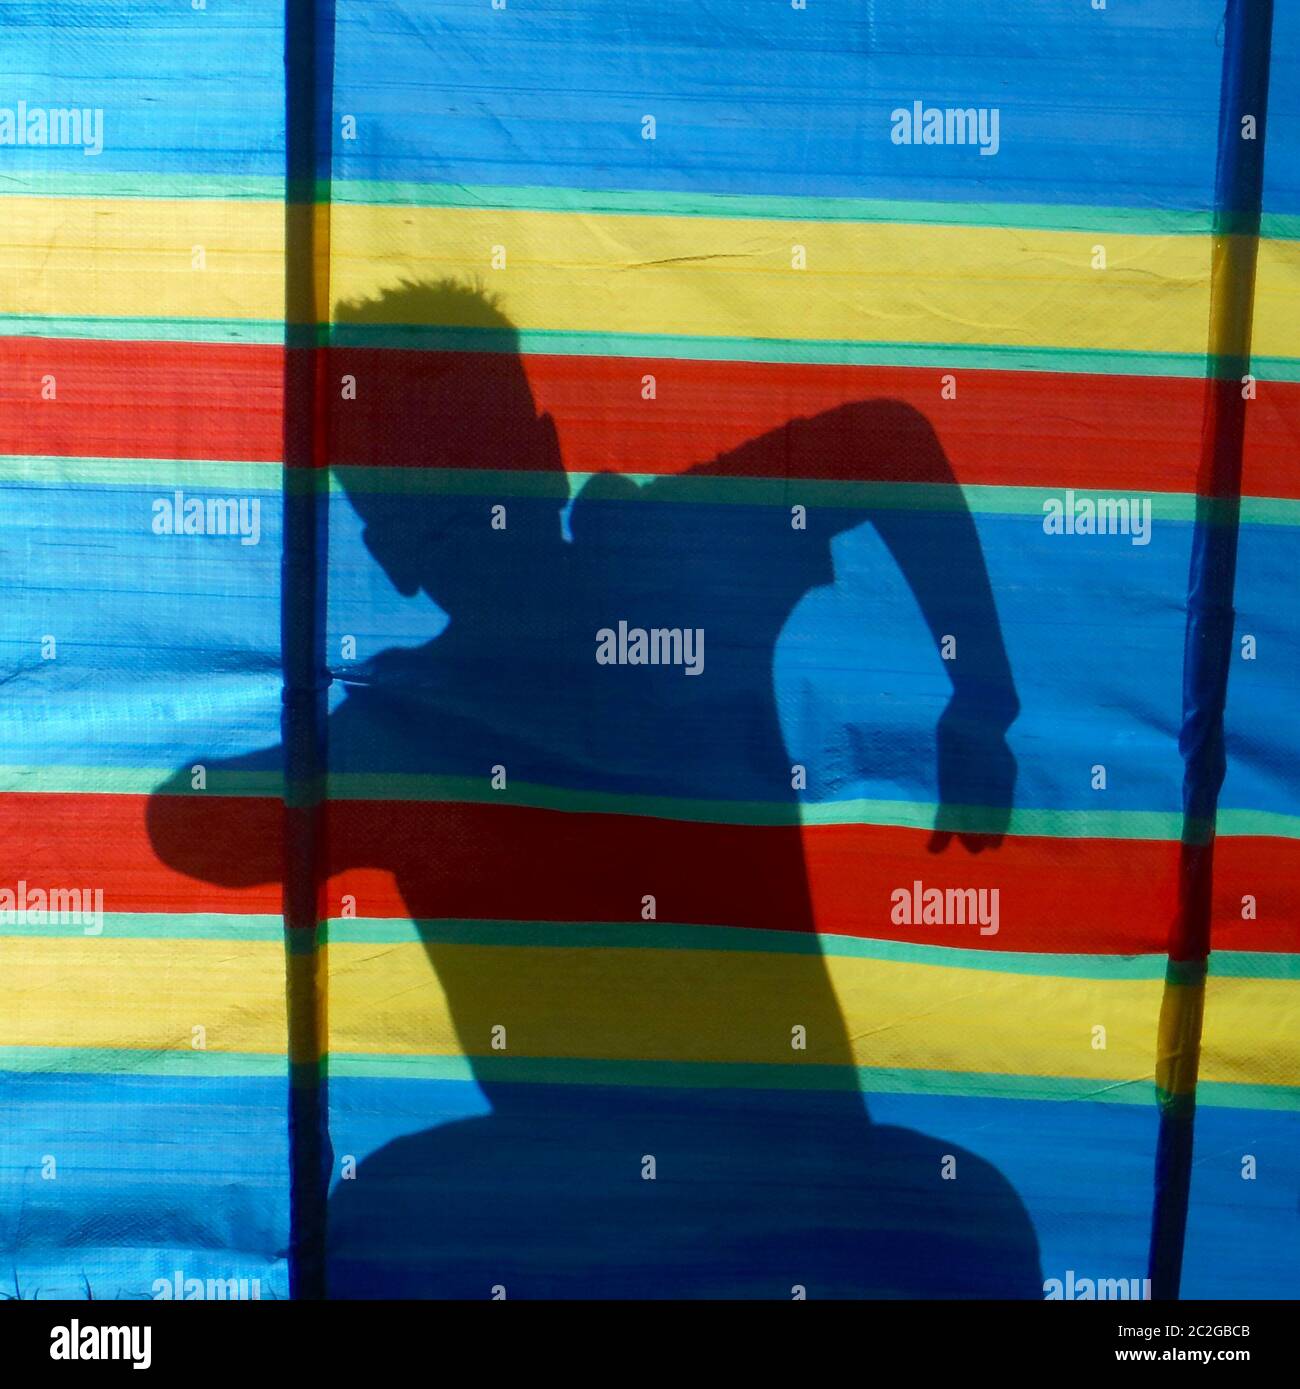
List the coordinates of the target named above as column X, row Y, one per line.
column 1245, row 964
column 154, row 474
column 186, row 1064
column 117, row 1061
column 654, row 203
column 642, row 202
column 59, row 183
column 162, row 474
column 172, row 926
column 373, row 192
column 824, row 352
column 980, row 498
column 622, row 935
column 54, row 778
column 921, row 815
column 658, row 935
column 566, row 343
column 638, row 202
column 1279, row 226
column 745, row 1076
column 1268, row 824
column 245, row 330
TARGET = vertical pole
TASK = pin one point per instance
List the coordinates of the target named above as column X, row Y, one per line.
column 1208, row 643
column 309, row 71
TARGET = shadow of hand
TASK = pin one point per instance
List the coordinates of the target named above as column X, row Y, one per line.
column 977, row 780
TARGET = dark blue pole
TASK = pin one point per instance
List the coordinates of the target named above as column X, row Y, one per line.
column 1208, row 643
column 309, row 74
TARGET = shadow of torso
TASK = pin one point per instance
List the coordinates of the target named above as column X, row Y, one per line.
column 767, row 1172
column 653, row 1127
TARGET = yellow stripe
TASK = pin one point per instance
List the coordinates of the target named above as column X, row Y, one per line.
column 723, row 1006
column 643, row 1004
column 722, row 277
column 1252, row 1031
column 727, row 277
column 880, row 282
column 1277, row 300
column 127, row 258
column 151, row 994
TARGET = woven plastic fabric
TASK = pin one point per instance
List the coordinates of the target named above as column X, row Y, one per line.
column 614, row 627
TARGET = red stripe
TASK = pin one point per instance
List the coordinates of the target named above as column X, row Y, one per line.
column 141, row 399
column 401, row 858
column 219, row 855
column 1002, row 428
column 1267, row 872
column 194, row 401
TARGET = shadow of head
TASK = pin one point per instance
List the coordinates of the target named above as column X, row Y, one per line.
column 436, row 427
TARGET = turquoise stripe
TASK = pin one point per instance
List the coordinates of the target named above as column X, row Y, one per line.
column 53, row 470
column 234, row 926
column 71, row 183
column 619, row 935
column 41, row 470
column 117, row 1061
column 565, row 343
column 1240, row 823
column 1245, row 964
column 190, row 1064
column 32, row 183
column 47, row 778
column 246, row 330
column 739, row 1075
column 176, row 926
column 1279, row 226
column 921, row 815
column 656, row 203
column 980, row 498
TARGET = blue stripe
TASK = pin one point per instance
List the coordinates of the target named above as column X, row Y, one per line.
column 1076, row 1172
column 181, row 90
column 1088, row 622
column 1261, row 733
column 1241, row 1230
column 1106, row 108
column 203, row 1183
column 752, row 1194
column 1282, row 153
column 152, row 1174
column 1081, row 1169
column 1113, row 108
